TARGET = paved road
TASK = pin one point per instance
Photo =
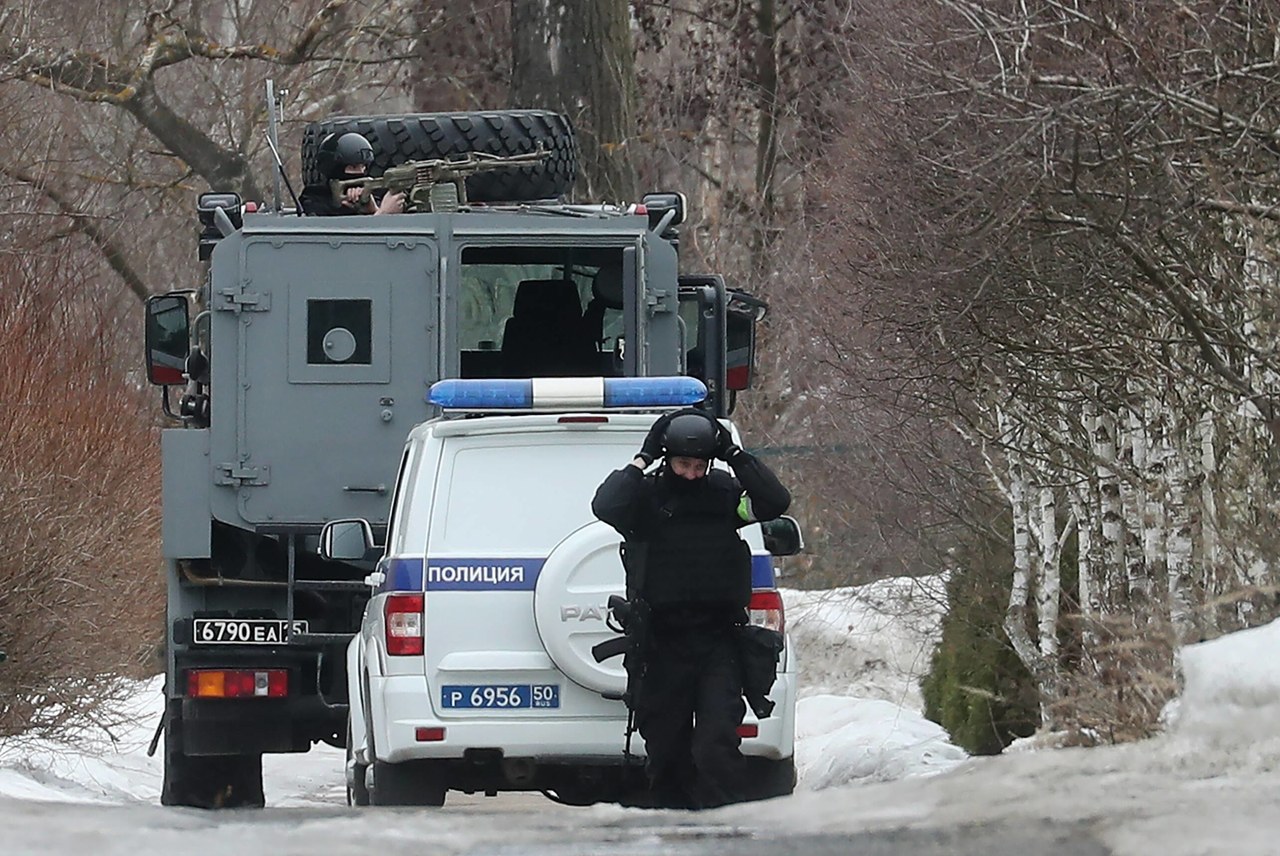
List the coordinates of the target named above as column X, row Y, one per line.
column 484, row 829
column 1156, row 798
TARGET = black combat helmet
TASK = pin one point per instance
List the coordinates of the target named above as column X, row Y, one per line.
column 692, row 434
column 338, row 151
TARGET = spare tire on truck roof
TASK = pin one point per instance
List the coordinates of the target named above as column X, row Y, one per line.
column 428, row 136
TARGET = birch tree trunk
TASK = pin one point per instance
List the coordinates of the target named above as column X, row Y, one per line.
column 1179, row 549
column 1132, row 449
column 1110, row 511
column 1015, row 619
column 1049, row 583
column 1089, row 559
column 1154, row 481
column 1210, row 557
column 1024, row 517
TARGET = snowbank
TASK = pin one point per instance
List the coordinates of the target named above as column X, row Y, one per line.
column 841, row 740
column 861, row 653
column 1230, row 704
column 871, row 641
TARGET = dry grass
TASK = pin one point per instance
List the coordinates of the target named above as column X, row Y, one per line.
column 1118, row 693
column 81, row 593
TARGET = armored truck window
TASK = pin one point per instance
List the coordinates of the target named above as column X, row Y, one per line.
column 340, row 331
column 539, row 311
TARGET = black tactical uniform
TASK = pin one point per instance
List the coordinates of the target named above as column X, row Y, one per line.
column 334, row 154
column 695, row 574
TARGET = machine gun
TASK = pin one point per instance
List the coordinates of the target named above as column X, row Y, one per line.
column 433, row 185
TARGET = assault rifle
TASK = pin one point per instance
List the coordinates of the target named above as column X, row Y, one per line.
column 433, row 185
column 630, row 617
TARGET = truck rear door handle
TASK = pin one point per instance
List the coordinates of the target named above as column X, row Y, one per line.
column 379, row 489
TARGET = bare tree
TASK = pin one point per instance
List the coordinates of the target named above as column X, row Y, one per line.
column 577, row 59
column 133, row 112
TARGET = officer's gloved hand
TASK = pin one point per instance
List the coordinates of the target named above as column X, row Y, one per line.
column 652, row 448
column 726, row 449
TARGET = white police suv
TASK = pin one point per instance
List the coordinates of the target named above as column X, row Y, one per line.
column 473, row 668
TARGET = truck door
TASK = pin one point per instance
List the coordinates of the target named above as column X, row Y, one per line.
column 335, row 340
column 718, row 329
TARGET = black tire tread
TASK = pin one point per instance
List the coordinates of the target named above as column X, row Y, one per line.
column 426, row 136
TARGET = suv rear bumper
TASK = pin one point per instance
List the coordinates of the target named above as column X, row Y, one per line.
column 402, row 704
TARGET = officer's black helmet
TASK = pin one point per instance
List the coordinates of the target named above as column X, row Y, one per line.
column 692, row 435
column 338, row 151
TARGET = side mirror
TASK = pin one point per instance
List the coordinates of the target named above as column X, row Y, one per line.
column 346, row 540
column 782, row 536
column 219, row 215
column 167, row 338
column 743, row 312
column 659, row 205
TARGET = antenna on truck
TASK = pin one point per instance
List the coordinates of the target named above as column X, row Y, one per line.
column 275, row 107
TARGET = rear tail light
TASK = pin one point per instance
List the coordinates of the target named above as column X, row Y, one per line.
column 766, row 610
column 428, row 734
column 403, row 614
column 749, row 729
column 237, row 683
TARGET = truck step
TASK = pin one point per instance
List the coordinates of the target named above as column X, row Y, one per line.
column 319, row 638
column 331, row 585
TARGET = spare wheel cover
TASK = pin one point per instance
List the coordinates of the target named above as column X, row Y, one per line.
column 570, row 606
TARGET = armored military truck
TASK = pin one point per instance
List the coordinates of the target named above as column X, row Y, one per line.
column 298, row 366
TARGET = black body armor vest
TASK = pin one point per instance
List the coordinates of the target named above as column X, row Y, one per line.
column 693, row 553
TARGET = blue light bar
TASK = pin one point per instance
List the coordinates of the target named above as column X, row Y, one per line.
column 567, row 393
column 482, row 394
column 653, row 391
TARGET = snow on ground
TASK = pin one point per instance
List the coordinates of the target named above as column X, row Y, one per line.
column 1210, row 785
column 861, row 652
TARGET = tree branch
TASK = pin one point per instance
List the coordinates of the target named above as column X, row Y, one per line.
column 87, row 226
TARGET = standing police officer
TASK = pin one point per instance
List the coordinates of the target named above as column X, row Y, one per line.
column 686, row 561
column 340, row 157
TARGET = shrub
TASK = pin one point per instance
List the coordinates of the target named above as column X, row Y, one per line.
column 81, row 596
column 976, row 687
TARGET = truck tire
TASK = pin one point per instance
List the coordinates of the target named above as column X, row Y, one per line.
column 198, row 781
column 429, row 136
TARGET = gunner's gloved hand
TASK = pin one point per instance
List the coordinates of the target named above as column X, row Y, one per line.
column 652, row 448
column 726, row 449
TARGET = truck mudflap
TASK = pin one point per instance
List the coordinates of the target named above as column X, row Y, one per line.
column 299, row 699
column 253, row 726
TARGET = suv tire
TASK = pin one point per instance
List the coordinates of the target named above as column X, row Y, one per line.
column 768, row 778
column 428, row 136
column 407, row 783
column 356, row 773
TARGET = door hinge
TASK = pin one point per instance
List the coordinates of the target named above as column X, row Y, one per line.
column 241, row 475
column 660, row 301
column 236, row 300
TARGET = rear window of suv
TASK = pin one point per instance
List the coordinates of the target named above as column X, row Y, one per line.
column 523, row 497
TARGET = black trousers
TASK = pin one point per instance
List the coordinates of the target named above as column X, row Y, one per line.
column 688, row 712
